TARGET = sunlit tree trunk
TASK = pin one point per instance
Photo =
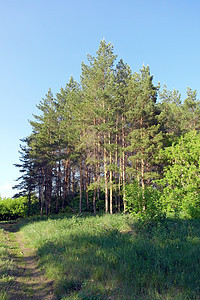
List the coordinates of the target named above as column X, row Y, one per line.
column 123, row 165
column 80, row 189
column 110, row 183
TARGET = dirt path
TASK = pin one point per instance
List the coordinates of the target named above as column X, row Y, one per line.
column 28, row 280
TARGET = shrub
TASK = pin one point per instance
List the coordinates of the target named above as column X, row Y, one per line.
column 181, row 180
column 144, row 203
column 11, row 209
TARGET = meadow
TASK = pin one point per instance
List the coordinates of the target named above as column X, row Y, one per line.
column 115, row 257
column 6, row 266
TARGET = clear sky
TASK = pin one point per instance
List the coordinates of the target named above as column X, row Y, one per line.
column 43, row 42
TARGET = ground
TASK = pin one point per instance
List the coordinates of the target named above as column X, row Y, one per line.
column 28, row 280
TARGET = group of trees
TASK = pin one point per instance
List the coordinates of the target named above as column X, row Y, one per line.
column 97, row 136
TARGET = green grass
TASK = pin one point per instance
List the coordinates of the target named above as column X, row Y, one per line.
column 6, row 265
column 111, row 257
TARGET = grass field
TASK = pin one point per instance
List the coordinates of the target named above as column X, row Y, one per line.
column 6, row 266
column 113, row 257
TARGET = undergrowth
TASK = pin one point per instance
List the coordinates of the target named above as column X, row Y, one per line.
column 115, row 257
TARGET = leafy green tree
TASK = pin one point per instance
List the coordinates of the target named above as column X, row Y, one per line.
column 135, row 198
column 191, row 111
column 181, row 182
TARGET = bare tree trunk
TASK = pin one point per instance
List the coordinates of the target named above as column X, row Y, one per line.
column 123, row 165
column 65, row 183
column 142, row 162
column 94, row 201
column 73, row 179
column 41, row 192
column 69, row 177
column 29, row 203
column 80, row 189
column 58, row 197
column 119, row 183
column 95, row 191
column 48, row 189
column 111, row 188
column 116, row 161
column 86, row 187
column 105, row 167
column 106, row 178
column 98, row 169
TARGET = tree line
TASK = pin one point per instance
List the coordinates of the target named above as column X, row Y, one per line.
column 96, row 136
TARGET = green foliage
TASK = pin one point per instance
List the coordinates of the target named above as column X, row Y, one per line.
column 11, row 209
column 181, row 182
column 113, row 257
column 144, row 203
column 106, row 131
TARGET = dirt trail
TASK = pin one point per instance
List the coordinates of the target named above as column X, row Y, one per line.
column 28, row 281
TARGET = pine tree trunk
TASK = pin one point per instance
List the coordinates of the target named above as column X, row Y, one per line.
column 58, row 198
column 86, row 182
column 123, row 165
column 116, row 161
column 98, row 169
column 119, row 184
column 49, row 190
column 80, row 190
column 95, row 172
column 106, row 179
column 41, row 187
column 142, row 162
column 94, row 201
column 64, row 186
column 95, row 191
column 105, row 167
column 29, row 204
column 69, row 177
column 73, row 179
column 111, row 188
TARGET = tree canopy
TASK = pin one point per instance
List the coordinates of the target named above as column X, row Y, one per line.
column 97, row 136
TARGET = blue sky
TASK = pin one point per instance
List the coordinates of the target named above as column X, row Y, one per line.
column 42, row 43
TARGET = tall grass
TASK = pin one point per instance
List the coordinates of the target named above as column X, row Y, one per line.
column 111, row 257
column 6, row 265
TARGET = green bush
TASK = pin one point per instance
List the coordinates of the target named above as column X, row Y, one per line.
column 11, row 209
column 144, row 203
column 181, row 178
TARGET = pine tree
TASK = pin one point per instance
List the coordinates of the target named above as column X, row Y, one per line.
column 122, row 81
column 28, row 168
column 43, row 144
column 97, row 86
column 171, row 114
column 145, row 136
column 68, row 102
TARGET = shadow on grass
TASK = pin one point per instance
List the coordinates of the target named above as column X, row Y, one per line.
column 20, row 277
column 151, row 262
column 20, row 286
column 16, row 225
